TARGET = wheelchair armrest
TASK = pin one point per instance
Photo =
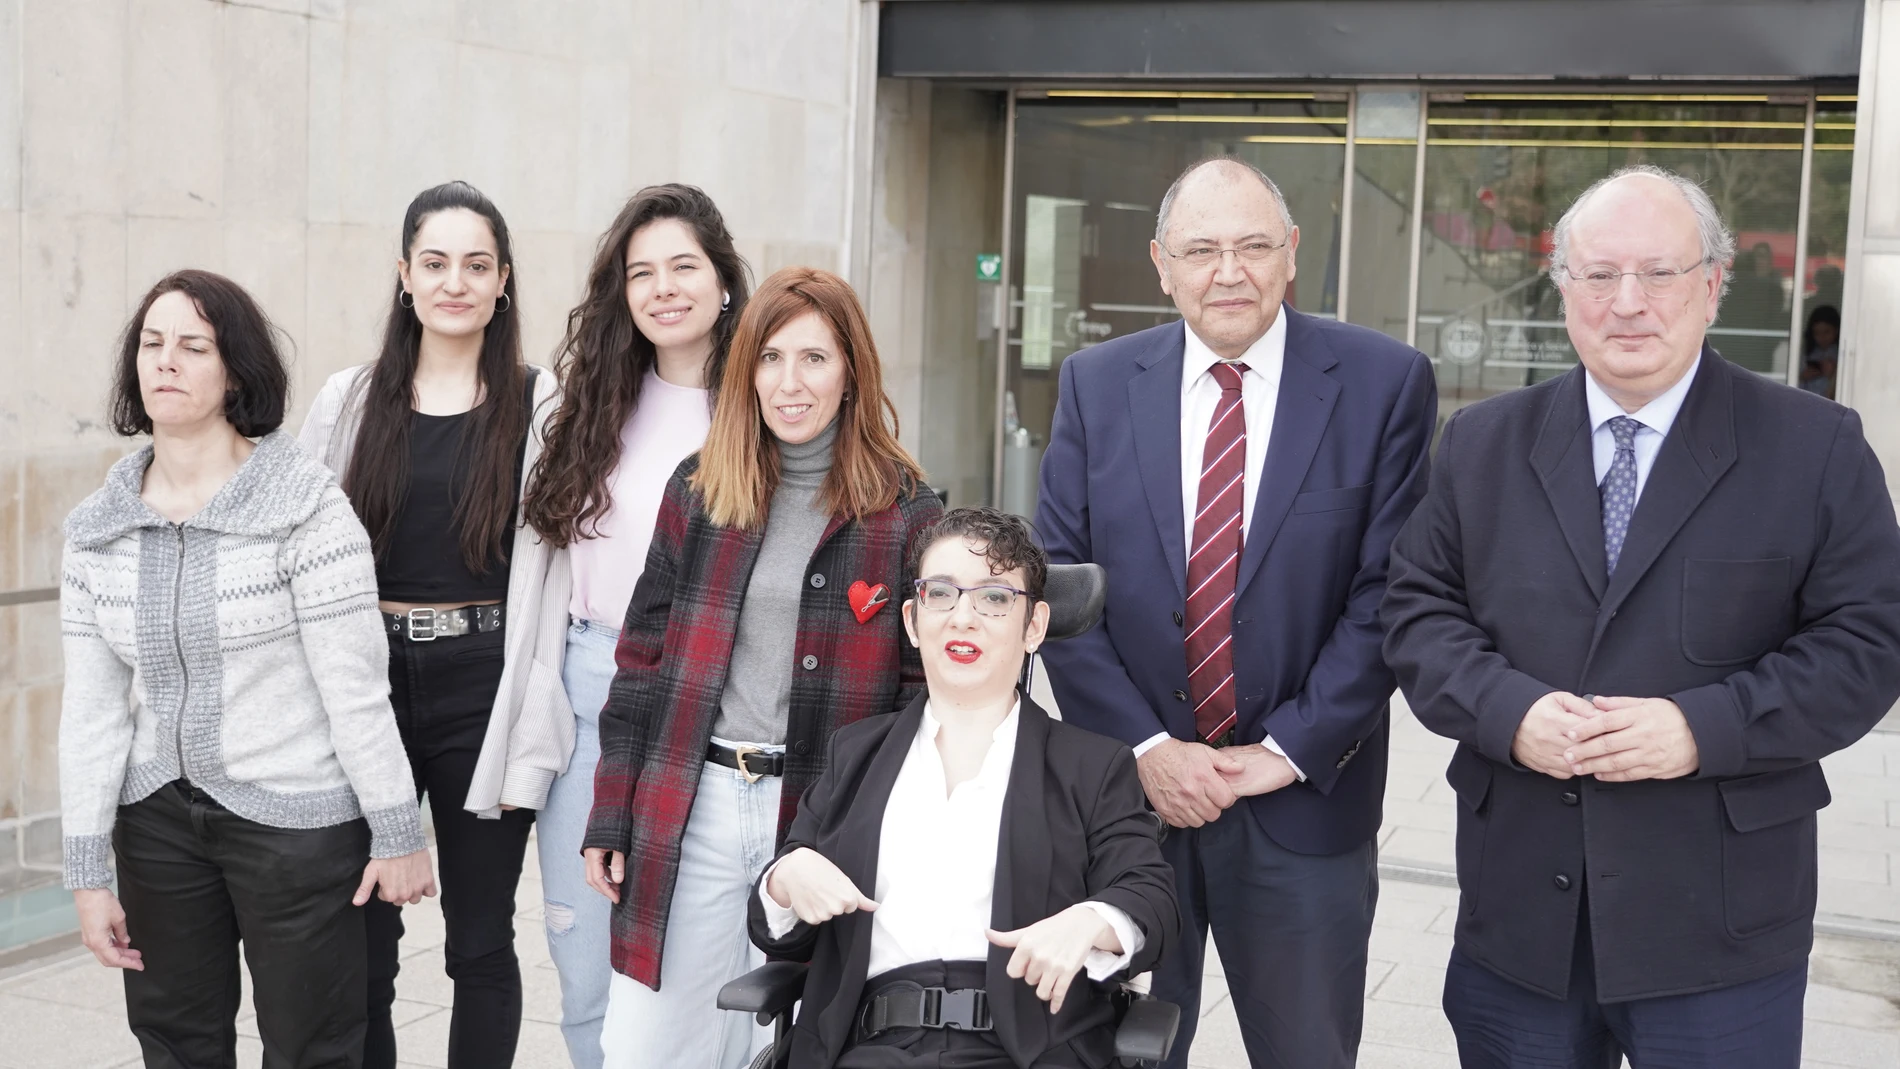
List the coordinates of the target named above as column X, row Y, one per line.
column 1146, row 1033
column 767, row 991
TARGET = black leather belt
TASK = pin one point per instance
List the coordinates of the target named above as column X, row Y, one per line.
column 427, row 625
column 905, row 1004
column 751, row 761
column 1222, row 740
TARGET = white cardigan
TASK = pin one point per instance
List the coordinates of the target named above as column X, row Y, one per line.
column 531, row 731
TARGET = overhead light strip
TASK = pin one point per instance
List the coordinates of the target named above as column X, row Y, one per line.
column 1174, row 94
column 1529, row 142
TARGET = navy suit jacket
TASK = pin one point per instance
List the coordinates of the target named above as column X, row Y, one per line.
column 1346, row 464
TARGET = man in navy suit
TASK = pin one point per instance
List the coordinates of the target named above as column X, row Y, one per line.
column 1646, row 597
column 1241, row 475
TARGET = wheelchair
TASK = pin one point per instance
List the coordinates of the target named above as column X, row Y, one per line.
column 1146, row 1029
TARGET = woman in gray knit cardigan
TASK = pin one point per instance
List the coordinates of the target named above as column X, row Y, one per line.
column 226, row 729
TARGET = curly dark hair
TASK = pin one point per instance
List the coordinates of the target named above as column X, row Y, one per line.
column 603, row 359
column 1008, row 542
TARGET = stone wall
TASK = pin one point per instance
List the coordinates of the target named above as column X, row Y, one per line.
column 1870, row 362
column 279, row 140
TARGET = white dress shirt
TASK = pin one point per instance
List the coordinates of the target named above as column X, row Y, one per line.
column 1656, row 418
column 936, row 868
column 1200, row 396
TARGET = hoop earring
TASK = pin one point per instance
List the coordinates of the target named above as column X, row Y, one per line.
column 410, row 303
column 499, row 307
column 725, row 303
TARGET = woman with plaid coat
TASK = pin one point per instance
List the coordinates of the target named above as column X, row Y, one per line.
column 767, row 618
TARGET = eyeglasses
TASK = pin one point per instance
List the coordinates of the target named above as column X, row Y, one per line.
column 1201, row 257
column 986, row 600
column 1600, row 283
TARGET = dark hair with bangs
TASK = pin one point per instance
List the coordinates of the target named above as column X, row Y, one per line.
column 1007, row 541
column 257, row 385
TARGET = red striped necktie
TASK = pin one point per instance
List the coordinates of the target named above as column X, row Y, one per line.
column 1214, row 566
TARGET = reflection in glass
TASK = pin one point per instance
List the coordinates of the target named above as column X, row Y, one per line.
column 1091, row 168
column 1821, row 311
column 1501, row 167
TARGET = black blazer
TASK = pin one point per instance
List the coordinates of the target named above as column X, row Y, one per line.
column 1759, row 589
column 1074, row 829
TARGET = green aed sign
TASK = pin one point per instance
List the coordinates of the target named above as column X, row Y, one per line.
column 989, row 267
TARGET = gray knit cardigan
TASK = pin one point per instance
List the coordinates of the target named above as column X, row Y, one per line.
column 240, row 649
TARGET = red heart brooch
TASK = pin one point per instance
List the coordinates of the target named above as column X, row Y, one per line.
column 867, row 600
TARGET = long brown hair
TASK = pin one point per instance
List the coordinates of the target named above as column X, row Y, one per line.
column 604, row 358
column 377, row 479
column 739, row 465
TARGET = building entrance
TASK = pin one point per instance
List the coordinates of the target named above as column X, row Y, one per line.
column 1446, row 247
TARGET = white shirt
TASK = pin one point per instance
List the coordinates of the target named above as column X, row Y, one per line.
column 936, row 870
column 1656, row 418
column 1200, row 396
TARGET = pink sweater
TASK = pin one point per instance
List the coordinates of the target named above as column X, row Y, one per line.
column 669, row 425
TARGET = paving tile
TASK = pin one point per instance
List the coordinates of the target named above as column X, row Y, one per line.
column 35, row 1033
column 1405, row 914
column 1856, row 1009
column 1419, row 844
column 1381, row 1056
column 1861, row 1048
column 1401, row 1024
column 82, row 982
column 1413, row 984
column 1376, row 972
column 1217, row 1043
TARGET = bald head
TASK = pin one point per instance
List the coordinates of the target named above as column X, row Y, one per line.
column 1635, row 196
column 1641, row 260
column 1217, row 175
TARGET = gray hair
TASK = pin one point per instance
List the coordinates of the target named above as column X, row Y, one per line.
column 1167, row 200
column 1718, row 242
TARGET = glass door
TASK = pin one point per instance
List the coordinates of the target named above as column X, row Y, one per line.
column 1500, row 167
column 1090, row 170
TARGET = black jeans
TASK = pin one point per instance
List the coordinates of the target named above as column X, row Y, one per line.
column 196, row 879
column 442, row 692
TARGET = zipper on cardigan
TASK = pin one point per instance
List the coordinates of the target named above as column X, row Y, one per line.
column 178, row 644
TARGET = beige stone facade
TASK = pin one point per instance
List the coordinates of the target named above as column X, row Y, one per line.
column 278, row 141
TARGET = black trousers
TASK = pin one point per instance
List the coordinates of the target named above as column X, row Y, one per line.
column 196, row 880
column 1499, row 1025
column 442, row 692
column 1292, row 930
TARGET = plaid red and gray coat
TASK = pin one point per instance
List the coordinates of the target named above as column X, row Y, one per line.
column 672, row 659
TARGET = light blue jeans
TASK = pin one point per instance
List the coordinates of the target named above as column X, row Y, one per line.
column 576, row 914
column 729, row 840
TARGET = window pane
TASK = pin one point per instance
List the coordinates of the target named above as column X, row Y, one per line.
column 1501, row 168
column 1091, row 168
column 1834, row 115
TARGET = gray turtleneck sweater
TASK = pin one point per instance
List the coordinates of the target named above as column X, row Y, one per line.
column 758, row 695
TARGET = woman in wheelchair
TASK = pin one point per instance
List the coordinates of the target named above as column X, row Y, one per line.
column 967, row 874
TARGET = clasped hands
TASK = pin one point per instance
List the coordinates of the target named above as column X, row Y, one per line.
column 1617, row 740
column 1047, row 954
column 1189, row 783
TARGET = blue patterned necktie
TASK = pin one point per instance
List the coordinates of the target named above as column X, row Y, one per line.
column 1619, row 489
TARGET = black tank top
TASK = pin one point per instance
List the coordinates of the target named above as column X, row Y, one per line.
column 423, row 562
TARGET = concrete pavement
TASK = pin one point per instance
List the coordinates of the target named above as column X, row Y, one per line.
column 64, row 1012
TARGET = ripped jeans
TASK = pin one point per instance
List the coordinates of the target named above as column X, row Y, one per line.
column 577, row 915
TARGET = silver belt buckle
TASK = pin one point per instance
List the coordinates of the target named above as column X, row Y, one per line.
column 424, row 618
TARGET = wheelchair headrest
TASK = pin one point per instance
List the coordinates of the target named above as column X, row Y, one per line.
column 1076, row 594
